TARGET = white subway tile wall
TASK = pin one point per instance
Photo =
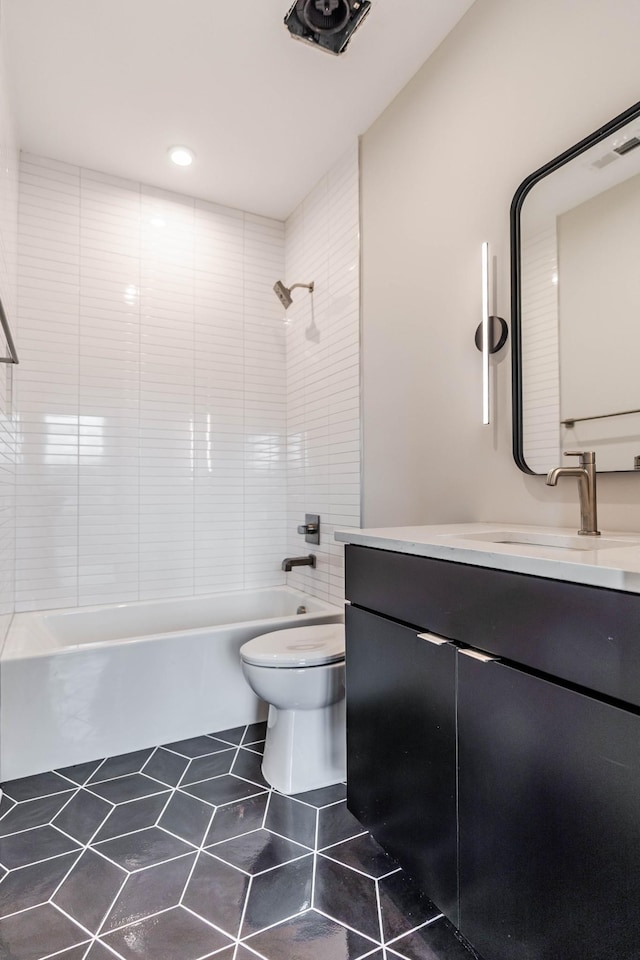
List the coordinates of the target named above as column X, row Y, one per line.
column 167, row 445
column 323, row 379
column 152, row 397
column 8, row 277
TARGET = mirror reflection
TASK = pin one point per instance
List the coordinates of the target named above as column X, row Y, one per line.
column 578, row 293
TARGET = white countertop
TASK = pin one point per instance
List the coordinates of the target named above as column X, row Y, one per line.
column 611, row 560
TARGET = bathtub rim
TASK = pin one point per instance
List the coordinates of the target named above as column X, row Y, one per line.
column 32, row 623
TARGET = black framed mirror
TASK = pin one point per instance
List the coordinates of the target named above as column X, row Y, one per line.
column 575, row 303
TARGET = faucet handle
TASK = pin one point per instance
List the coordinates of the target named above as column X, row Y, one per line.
column 586, row 456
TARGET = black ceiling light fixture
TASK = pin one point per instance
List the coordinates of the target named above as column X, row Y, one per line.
column 329, row 24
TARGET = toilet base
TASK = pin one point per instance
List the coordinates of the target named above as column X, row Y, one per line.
column 305, row 749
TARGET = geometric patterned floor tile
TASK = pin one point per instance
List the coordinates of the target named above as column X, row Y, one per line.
column 435, row 941
column 134, row 851
column 34, row 884
column 164, row 854
column 216, row 892
column 177, row 933
column 38, row 933
column 41, row 843
column 363, row 854
column 150, row 891
column 311, row 937
column 258, row 851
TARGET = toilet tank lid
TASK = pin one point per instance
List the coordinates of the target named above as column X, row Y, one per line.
column 296, row 647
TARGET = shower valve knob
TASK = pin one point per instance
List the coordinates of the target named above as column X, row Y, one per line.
column 310, row 529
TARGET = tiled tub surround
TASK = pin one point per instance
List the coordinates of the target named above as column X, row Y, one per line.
column 76, row 684
column 183, row 853
column 151, row 393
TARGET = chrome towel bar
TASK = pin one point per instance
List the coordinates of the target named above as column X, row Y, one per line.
column 13, row 354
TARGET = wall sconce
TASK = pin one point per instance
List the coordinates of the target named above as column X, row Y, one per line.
column 491, row 334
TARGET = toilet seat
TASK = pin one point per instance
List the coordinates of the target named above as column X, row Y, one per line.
column 310, row 646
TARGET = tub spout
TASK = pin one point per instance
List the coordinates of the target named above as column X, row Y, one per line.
column 290, row 562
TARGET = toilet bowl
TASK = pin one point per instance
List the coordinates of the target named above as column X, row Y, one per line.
column 300, row 673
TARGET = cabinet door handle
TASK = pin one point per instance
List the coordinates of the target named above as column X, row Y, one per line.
column 476, row 655
column 433, row 638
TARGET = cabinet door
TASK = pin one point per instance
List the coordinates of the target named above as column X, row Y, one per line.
column 549, row 808
column 401, row 752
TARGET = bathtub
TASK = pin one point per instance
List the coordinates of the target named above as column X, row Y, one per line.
column 81, row 684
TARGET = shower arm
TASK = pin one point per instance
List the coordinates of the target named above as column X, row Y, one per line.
column 307, row 286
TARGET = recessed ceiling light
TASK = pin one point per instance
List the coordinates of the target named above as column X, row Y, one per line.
column 182, row 156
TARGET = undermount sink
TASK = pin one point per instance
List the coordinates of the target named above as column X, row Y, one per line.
column 547, row 540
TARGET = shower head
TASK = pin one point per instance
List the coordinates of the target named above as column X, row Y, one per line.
column 284, row 293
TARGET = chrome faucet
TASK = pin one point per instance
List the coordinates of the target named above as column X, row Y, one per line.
column 290, row 562
column 586, row 475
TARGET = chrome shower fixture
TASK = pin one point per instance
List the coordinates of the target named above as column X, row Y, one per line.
column 284, row 293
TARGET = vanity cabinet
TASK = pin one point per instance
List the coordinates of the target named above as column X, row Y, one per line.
column 510, row 794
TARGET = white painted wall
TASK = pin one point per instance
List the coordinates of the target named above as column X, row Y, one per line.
column 323, row 389
column 513, row 85
column 8, row 274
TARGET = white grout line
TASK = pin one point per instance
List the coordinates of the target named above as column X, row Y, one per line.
column 341, row 923
column 52, row 956
column 393, row 943
column 362, row 873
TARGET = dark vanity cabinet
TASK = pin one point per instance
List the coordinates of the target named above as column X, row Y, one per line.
column 510, row 793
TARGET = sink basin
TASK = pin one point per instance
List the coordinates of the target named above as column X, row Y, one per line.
column 547, row 540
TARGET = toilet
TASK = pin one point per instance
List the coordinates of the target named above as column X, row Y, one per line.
column 299, row 672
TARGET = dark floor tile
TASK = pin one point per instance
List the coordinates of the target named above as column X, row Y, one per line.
column 78, row 953
column 197, row 746
column 82, row 816
column 150, row 891
column 256, row 747
column 204, row 768
column 40, row 843
column 30, row 886
column 122, row 765
column 258, row 851
column 33, row 813
column 347, row 896
column 134, row 815
column 28, row 788
column 237, row 818
column 176, row 933
column 130, row 787
column 403, row 906
column 38, row 933
column 255, row 732
column 187, row 817
column 364, row 854
column 166, row 767
column 80, row 772
column 89, row 890
column 249, row 766
column 324, row 795
column 335, row 823
column 217, row 893
column 233, row 736
column 436, row 941
column 143, row 849
column 243, row 953
column 278, row 895
column 311, row 937
column 6, row 804
column 224, row 789
column 291, row 819
column 97, row 952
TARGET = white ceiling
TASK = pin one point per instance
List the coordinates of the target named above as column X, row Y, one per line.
column 111, row 84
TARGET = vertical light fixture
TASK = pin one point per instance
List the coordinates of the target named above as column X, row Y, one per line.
column 491, row 334
column 486, row 405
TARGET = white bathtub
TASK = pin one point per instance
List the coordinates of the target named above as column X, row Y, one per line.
column 77, row 685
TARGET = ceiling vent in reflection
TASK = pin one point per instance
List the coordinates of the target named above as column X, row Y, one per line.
column 627, row 145
column 604, row 161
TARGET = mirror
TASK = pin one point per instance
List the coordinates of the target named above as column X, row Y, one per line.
column 575, row 289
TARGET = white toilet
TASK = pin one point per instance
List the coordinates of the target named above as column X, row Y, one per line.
column 300, row 673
